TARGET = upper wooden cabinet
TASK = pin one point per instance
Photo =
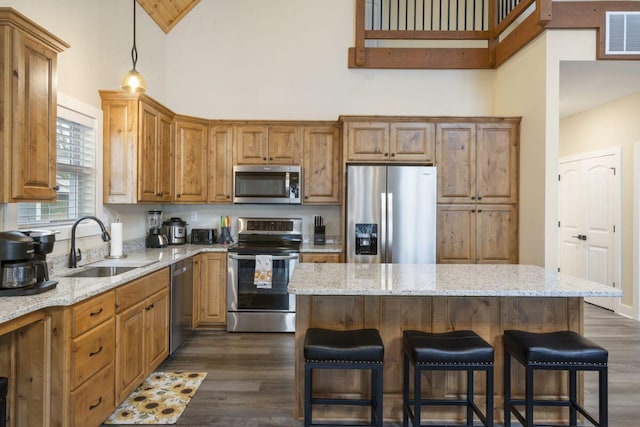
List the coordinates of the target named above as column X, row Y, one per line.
column 321, row 172
column 389, row 140
column 478, row 162
column 220, row 163
column 28, row 62
column 275, row 145
column 138, row 149
column 191, row 159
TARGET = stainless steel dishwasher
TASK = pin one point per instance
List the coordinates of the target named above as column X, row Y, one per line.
column 181, row 302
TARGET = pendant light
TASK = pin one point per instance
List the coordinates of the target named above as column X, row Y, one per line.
column 133, row 80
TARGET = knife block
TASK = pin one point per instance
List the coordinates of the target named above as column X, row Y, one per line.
column 318, row 235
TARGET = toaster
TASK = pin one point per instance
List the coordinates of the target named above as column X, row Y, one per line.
column 203, row 236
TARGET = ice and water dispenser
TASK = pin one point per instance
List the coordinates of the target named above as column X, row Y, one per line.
column 366, row 239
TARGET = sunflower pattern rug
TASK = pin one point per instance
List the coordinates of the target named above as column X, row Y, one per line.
column 160, row 399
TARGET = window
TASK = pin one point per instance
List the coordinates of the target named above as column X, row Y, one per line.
column 75, row 174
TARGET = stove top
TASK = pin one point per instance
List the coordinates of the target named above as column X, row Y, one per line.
column 268, row 236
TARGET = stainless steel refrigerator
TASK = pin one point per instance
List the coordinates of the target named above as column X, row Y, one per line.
column 391, row 214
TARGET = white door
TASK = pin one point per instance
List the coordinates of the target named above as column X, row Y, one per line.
column 589, row 208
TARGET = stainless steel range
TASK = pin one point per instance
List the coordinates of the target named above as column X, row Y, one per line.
column 259, row 268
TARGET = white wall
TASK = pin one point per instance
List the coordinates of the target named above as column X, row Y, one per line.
column 615, row 124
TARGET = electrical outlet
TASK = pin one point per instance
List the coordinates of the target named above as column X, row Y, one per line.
column 194, row 216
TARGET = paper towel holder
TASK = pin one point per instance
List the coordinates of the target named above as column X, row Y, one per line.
column 116, row 256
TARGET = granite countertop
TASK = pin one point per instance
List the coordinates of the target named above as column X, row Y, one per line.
column 441, row 280
column 71, row 290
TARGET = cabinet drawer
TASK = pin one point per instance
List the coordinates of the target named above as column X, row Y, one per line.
column 134, row 292
column 93, row 402
column 91, row 352
column 90, row 313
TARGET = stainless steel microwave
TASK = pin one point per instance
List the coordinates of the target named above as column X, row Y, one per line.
column 267, row 184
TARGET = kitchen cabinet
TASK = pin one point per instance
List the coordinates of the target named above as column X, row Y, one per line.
column 212, row 286
column 389, row 140
column 320, row 257
column 268, row 144
column 137, row 149
column 142, row 330
column 478, row 162
column 25, row 359
column 191, row 160
column 28, row 109
column 477, row 234
column 321, row 171
column 220, row 164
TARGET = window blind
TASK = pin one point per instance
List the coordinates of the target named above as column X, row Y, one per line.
column 75, row 176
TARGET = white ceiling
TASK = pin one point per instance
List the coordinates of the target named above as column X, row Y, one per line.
column 588, row 84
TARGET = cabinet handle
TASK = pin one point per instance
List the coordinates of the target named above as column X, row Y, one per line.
column 228, row 196
column 95, row 313
column 270, row 158
column 15, row 73
column 473, row 210
column 56, row 188
column 473, row 197
column 479, row 197
column 150, row 307
column 92, row 407
column 479, row 210
column 386, row 154
column 264, row 158
column 93, row 353
column 320, row 262
column 178, row 196
column 393, row 154
column 306, row 197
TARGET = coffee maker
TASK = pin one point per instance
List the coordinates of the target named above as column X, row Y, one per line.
column 155, row 237
column 23, row 267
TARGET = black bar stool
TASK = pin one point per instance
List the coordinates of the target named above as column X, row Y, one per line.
column 4, row 386
column 563, row 350
column 356, row 349
column 448, row 351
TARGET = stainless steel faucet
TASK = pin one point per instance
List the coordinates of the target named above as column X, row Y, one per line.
column 73, row 257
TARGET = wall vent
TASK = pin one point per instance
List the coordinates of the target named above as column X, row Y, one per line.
column 623, row 33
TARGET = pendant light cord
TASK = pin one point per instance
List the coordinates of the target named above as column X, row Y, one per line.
column 134, row 50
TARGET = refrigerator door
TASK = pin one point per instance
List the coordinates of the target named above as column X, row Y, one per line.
column 411, row 236
column 366, row 190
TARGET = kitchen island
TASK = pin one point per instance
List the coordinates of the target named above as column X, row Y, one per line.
column 437, row 297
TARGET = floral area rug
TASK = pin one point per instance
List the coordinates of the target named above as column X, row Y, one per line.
column 161, row 399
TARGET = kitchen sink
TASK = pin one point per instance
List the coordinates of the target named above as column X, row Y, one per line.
column 101, row 271
column 122, row 263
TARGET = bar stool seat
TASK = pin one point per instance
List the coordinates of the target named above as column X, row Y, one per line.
column 449, row 351
column 355, row 349
column 560, row 350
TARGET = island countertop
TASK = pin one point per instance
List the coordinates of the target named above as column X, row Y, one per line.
column 441, row 280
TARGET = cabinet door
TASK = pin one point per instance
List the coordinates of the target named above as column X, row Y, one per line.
column 456, row 234
column 413, row 142
column 130, row 357
column 367, row 141
column 497, row 239
column 120, row 129
column 147, row 153
column 251, row 145
column 33, row 152
column 220, row 164
column 213, row 277
column 321, row 170
column 497, row 163
column 156, row 332
column 191, row 161
column 165, row 171
column 197, row 293
column 320, row 258
column 284, row 145
column 456, row 161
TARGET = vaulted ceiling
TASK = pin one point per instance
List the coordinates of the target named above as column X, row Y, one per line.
column 167, row 13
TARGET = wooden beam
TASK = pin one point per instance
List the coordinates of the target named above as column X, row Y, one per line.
column 426, row 35
column 528, row 30
column 167, row 13
column 423, row 58
column 511, row 17
column 360, row 33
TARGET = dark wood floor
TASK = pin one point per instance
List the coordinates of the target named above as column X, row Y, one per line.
column 250, row 380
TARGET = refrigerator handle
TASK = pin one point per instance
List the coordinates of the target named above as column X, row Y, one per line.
column 389, row 248
column 382, row 233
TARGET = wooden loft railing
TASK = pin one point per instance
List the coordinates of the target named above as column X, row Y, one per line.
column 466, row 34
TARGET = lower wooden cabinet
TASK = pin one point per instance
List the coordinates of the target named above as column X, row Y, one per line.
column 320, row 257
column 211, row 285
column 480, row 234
column 142, row 330
column 93, row 401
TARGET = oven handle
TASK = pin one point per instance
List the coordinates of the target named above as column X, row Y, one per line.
column 275, row 258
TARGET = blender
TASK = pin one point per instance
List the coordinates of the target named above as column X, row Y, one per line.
column 155, row 238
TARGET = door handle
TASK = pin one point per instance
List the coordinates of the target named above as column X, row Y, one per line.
column 580, row 237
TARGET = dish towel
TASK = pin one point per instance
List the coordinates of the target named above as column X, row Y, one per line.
column 262, row 275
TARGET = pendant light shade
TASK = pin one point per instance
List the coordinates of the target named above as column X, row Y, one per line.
column 133, row 80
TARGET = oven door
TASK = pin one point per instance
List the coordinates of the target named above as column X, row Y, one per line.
column 244, row 295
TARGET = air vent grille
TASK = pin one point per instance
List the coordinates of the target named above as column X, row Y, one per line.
column 623, row 33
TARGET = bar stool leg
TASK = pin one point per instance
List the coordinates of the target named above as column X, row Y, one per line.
column 416, row 395
column 507, row 389
column 573, row 398
column 469, row 397
column 379, row 396
column 489, row 411
column 307, row 395
column 603, row 412
column 529, row 396
column 405, row 391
